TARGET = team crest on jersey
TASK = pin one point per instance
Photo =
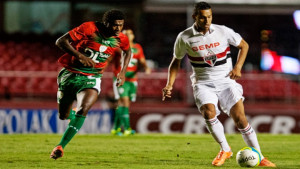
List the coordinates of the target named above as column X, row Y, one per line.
column 210, row 58
column 102, row 48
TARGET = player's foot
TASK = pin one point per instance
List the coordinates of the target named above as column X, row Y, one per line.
column 221, row 157
column 57, row 152
column 266, row 163
column 129, row 132
column 116, row 132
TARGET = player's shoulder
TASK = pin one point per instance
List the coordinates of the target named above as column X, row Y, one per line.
column 123, row 40
column 89, row 26
column 122, row 36
column 219, row 27
column 137, row 45
column 89, row 23
column 186, row 33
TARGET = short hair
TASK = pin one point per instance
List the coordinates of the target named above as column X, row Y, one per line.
column 112, row 15
column 200, row 6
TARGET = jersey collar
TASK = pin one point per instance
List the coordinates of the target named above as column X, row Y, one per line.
column 195, row 32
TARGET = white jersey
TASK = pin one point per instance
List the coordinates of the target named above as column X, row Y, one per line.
column 209, row 54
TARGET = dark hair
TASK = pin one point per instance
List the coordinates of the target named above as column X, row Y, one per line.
column 112, row 15
column 200, row 6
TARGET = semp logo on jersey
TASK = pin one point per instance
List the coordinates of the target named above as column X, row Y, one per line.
column 210, row 58
column 206, row 46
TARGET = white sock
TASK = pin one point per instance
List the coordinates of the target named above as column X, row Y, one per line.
column 250, row 138
column 216, row 129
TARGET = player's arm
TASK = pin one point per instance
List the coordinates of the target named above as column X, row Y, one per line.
column 143, row 62
column 236, row 71
column 121, row 75
column 64, row 43
column 172, row 73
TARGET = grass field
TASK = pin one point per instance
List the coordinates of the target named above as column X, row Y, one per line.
column 155, row 151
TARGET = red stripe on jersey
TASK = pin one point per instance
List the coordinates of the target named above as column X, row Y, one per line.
column 219, row 55
column 130, row 79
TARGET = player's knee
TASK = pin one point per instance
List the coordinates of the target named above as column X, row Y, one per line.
column 208, row 111
column 62, row 116
column 82, row 111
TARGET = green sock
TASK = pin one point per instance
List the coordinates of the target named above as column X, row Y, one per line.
column 125, row 118
column 74, row 126
column 117, row 118
column 72, row 114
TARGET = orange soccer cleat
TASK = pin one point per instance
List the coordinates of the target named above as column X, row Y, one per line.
column 266, row 163
column 221, row 157
column 57, row 152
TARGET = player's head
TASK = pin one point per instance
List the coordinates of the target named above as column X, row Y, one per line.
column 202, row 15
column 114, row 21
column 129, row 33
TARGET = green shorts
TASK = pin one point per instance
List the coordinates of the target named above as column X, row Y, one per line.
column 128, row 89
column 69, row 84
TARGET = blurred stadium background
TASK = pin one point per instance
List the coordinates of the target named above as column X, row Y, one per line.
column 28, row 66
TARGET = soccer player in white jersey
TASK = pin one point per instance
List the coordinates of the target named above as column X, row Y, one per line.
column 207, row 46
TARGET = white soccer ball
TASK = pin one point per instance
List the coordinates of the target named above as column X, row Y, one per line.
column 248, row 157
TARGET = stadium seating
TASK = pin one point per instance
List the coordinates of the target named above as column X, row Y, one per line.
column 29, row 69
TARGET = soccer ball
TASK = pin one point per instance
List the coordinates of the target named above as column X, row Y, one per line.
column 248, row 157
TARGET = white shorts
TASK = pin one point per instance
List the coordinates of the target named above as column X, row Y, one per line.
column 227, row 93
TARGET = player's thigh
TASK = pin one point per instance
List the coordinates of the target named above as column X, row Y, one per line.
column 65, row 93
column 124, row 101
column 115, row 89
column 85, row 100
column 204, row 94
column 65, row 101
column 123, row 90
column 133, row 91
column 231, row 95
column 88, row 89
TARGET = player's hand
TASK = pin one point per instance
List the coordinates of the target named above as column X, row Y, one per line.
column 235, row 74
column 86, row 61
column 166, row 92
column 148, row 70
column 120, row 79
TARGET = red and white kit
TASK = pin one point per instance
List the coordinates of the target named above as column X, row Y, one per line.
column 209, row 55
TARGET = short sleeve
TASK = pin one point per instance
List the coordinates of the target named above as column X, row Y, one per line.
column 124, row 42
column 140, row 51
column 179, row 47
column 233, row 37
column 84, row 30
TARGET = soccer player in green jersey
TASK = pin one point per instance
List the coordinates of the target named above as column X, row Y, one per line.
column 87, row 47
column 127, row 93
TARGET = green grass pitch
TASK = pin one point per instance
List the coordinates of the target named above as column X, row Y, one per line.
column 151, row 151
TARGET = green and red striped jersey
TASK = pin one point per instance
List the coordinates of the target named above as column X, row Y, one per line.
column 136, row 54
column 88, row 39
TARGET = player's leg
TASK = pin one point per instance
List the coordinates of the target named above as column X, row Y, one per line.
column 64, row 107
column 65, row 110
column 65, row 99
column 124, row 105
column 207, row 101
column 232, row 99
column 216, row 129
column 87, row 89
column 249, row 135
column 85, row 100
column 132, row 98
column 238, row 115
column 116, row 129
